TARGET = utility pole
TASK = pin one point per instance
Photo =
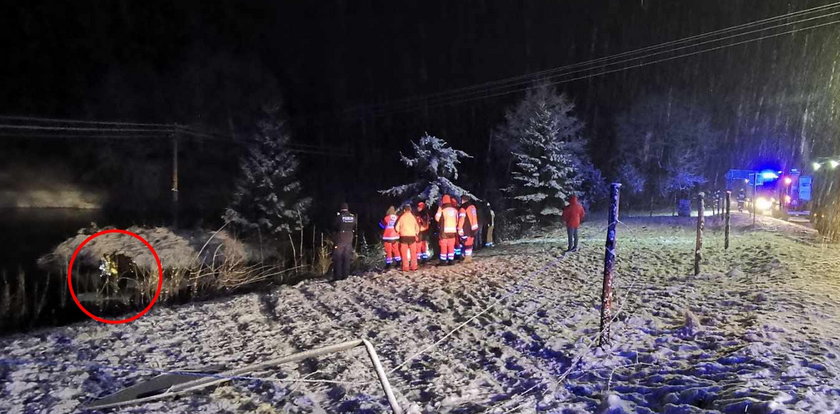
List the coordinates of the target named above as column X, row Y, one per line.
column 175, row 179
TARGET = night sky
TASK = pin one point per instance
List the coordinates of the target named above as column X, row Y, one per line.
column 213, row 63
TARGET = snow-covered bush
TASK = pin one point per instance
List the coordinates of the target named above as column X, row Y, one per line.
column 435, row 164
column 549, row 163
column 683, row 175
column 267, row 196
column 631, row 179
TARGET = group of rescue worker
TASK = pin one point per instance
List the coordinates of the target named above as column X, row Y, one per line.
column 406, row 235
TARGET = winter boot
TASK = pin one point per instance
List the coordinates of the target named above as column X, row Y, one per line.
column 441, row 263
column 450, row 262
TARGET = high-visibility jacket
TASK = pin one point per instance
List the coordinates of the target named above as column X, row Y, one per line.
column 447, row 218
column 389, row 233
column 467, row 219
column 407, row 225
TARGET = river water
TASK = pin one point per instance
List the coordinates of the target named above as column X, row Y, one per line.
column 28, row 233
column 25, row 235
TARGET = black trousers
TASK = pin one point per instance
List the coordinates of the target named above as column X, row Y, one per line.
column 342, row 256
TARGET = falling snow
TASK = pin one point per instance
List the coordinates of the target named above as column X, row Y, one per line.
column 755, row 332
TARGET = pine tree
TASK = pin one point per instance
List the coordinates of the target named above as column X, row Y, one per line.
column 436, row 166
column 547, row 155
column 267, row 196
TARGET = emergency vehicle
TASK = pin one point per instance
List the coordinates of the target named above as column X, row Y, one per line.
column 773, row 192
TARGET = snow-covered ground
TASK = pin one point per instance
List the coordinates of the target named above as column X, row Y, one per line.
column 757, row 332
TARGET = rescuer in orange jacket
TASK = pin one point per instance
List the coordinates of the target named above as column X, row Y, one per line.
column 390, row 237
column 447, row 219
column 467, row 226
column 423, row 220
column 409, row 230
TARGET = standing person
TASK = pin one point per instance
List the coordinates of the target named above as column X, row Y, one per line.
column 390, row 237
column 447, row 219
column 409, row 230
column 456, row 203
column 488, row 238
column 573, row 213
column 467, row 226
column 345, row 227
column 424, row 220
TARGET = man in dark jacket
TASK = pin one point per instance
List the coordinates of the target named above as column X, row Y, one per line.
column 345, row 225
column 573, row 213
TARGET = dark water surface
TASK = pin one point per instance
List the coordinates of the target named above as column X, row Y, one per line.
column 25, row 235
column 28, row 233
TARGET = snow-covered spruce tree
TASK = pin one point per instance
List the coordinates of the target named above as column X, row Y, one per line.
column 548, row 158
column 435, row 164
column 267, row 196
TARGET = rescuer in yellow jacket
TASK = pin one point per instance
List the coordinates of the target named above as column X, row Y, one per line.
column 447, row 219
column 409, row 230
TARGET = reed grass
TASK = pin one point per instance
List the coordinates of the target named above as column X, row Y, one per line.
column 23, row 303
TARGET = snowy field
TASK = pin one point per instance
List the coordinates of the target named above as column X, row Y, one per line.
column 757, row 332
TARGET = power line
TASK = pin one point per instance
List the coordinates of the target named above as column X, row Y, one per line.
column 606, row 72
column 379, row 109
column 51, row 128
column 518, row 84
column 75, row 121
column 517, row 87
column 536, row 75
column 77, row 129
column 459, row 99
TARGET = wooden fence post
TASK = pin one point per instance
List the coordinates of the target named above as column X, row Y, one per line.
column 698, row 245
column 726, row 217
column 609, row 265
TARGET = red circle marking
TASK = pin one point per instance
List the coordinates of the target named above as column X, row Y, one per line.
column 70, row 277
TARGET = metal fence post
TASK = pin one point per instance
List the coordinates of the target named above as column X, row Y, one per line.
column 698, row 245
column 609, row 265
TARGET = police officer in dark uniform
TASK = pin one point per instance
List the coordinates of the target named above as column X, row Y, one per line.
column 345, row 225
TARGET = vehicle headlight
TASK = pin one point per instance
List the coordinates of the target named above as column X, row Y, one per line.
column 762, row 203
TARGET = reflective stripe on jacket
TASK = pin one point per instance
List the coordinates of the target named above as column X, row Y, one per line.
column 388, row 223
column 468, row 218
column 447, row 218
